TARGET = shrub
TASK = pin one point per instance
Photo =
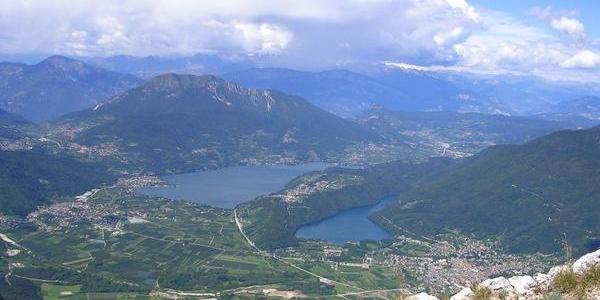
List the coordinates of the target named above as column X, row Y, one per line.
column 553, row 296
column 566, row 281
column 481, row 293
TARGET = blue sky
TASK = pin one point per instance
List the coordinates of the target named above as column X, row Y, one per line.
column 554, row 39
column 586, row 10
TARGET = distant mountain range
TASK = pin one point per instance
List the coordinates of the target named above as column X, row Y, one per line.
column 185, row 122
column 587, row 107
column 347, row 93
column 342, row 92
column 56, row 86
column 151, row 66
column 74, row 85
column 529, row 196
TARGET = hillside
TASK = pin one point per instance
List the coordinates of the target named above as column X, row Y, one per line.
column 31, row 178
column 55, row 86
column 187, row 122
column 272, row 220
column 10, row 125
column 528, row 196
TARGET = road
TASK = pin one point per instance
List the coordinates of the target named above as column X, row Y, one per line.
column 239, row 227
column 238, row 223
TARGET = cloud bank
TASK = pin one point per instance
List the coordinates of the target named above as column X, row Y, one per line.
column 304, row 34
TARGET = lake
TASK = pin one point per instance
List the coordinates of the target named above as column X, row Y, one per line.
column 349, row 225
column 228, row 187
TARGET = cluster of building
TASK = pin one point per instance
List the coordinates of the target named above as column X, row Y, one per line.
column 312, row 184
column 459, row 261
column 133, row 183
column 102, row 150
column 16, row 145
column 63, row 215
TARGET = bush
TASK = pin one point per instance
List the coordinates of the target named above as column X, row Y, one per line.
column 481, row 293
column 568, row 282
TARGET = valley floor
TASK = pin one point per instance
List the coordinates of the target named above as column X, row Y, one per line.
column 112, row 243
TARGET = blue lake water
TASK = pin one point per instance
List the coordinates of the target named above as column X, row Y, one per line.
column 349, row 225
column 228, row 187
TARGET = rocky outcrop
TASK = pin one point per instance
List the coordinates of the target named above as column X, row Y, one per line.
column 528, row 287
column 422, row 296
column 587, row 261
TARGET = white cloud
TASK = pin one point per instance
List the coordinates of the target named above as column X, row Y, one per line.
column 264, row 38
column 571, row 26
column 585, row 59
column 504, row 44
column 317, row 34
column 350, row 30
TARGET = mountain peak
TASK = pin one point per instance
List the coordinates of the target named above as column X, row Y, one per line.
column 63, row 63
column 171, row 81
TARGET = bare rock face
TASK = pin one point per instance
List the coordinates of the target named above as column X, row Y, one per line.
column 464, row 294
column 542, row 281
column 528, row 287
column 556, row 270
column 587, row 261
column 522, row 284
column 497, row 284
column 422, row 296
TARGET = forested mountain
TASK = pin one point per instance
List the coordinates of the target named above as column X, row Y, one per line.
column 529, row 196
column 182, row 122
column 272, row 220
column 31, row 178
column 56, row 86
column 10, row 125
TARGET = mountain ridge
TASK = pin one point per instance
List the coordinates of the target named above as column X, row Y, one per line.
column 55, row 86
column 493, row 195
column 218, row 119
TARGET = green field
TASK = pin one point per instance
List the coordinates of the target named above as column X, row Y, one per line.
column 171, row 246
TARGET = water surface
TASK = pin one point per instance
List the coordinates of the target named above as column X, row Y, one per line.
column 348, row 225
column 228, row 187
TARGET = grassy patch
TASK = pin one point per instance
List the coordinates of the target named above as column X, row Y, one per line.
column 481, row 293
column 568, row 282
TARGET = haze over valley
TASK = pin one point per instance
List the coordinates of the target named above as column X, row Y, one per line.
column 285, row 150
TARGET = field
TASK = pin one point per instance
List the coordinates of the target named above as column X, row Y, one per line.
column 116, row 245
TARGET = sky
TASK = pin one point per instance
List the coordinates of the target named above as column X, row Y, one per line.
column 553, row 39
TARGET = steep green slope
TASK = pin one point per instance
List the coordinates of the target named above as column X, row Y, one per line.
column 56, row 86
column 30, row 178
column 10, row 125
column 272, row 220
column 529, row 196
column 186, row 122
